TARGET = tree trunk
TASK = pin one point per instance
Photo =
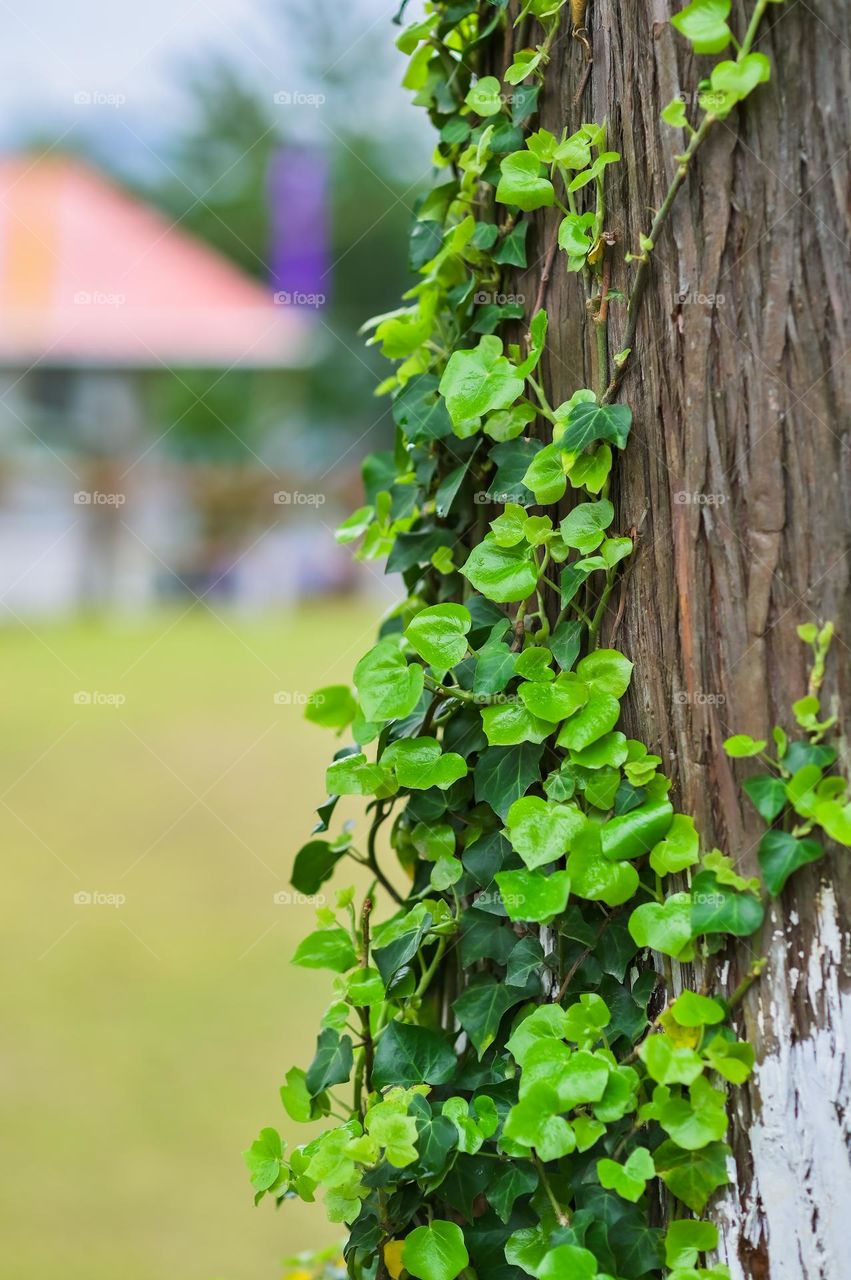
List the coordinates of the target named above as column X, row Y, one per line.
column 737, row 475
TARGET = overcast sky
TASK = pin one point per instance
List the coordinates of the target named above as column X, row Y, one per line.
column 89, row 66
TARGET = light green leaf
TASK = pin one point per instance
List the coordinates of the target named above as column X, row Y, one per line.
column 545, row 475
column 742, row 745
column 557, row 700
column 509, row 723
column 685, row 1239
column 541, row 831
column 663, row 927
column 690, row 1009
column 387, row 686
column 439, row 634
column 606, row 671
column 326, row 949
column 502, row 574
column 584, row 526
column 485, row 96
column 679, row 849
column 333, row 707
column 478, row 380
column 522, row 183
column 530, row 895
column 704, row 23
column 598, row 716
column 628, row 1179
column 435, row 1252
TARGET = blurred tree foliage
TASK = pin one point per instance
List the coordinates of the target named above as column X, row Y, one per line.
column 216, row 187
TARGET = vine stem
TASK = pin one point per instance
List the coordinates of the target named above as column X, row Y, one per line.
column 561, row 1214
column 641, row 276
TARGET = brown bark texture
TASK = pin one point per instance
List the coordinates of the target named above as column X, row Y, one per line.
column 737, row 475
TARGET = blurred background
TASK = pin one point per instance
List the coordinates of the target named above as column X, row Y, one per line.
column 200, row 203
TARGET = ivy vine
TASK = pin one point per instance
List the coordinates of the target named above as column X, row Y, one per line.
column 513, row 1088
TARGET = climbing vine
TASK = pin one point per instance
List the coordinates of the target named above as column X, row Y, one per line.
column 510, row 1082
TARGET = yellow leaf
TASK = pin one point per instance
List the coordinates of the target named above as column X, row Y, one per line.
column 393, row 1257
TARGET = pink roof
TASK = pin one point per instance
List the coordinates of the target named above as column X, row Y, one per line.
column 90, row 275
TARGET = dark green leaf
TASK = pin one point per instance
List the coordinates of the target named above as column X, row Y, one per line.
column 408, row 1055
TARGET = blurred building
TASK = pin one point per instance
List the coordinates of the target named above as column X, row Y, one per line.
column 100, row 295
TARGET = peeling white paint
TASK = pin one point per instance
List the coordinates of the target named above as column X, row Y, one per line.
column 799, row 1201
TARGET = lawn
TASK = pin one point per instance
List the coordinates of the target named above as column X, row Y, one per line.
column 145, row 1039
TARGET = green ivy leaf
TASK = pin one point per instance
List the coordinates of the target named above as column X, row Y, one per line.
column 665, row 927
column 629, row 1179
column 679, row 849
column 530, row 895
column 692, row 1176
column 742, row 745
column 780, row 854
column 509, row 723
column 478, row 380
column 557, row 700
column 332, row 1063
column 693, row 1010
column 485, row 96
column 264, row 1158
column 480, row 1009
column 541, row 831
column 704, row 23
column 503, row 574
column 586, row 423
column 439, row 634
column 584, row 527
column 685, row 1239
column 510, row 1181
column 408, row 1055
column 314, row 864
column 545, row 476
column 717, row 908
column 597, row 878
column 698, row 1120
column 435, row 1252
column 632, row 834
column 326, row 949
column 568, row 1262
column 522, row 183
column 606, row 671
column 599, row 715
column 535, row 1122
column 420, row 764
column 670, row 1063
column 332, row 707
column 354, row 775
column 767, row 794
column 503, row 774
column 387, row 686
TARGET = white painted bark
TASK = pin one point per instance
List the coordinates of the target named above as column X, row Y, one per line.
column 790, row 1220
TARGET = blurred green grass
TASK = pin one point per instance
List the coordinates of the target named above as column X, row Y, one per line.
column 145, row 1042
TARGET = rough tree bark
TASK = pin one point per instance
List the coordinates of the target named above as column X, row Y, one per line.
column 738, row 467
